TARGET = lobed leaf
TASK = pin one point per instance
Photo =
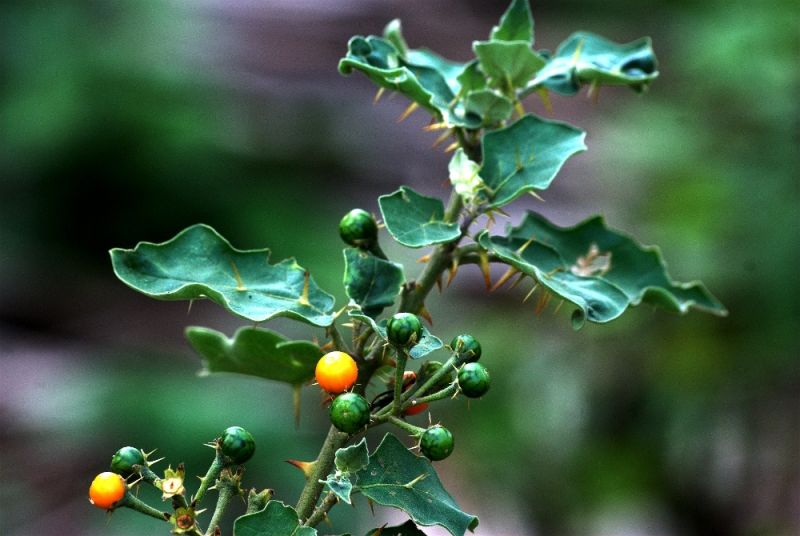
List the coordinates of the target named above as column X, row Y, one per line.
column 489, row 105
column 406, row 529
column 341, row 484
column 526, row 156
column 416, row 220
column 255, row 352
column 586, row 58
column 371, row 282
column 353, row 458
column 277, row 519
column 623, row 273
column 396, row 477
column 199, row 263
column 508, row 64
column 516, row 24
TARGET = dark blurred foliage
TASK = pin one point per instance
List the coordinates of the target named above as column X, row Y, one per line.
column 127, row 121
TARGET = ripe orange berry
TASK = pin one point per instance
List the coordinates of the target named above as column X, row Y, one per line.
column 106, row 489
column 336, row 372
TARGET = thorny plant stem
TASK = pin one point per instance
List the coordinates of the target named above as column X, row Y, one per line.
column 321, row 512
column 397, row 402
column 134, row 503
column 433, row 380
column 226, row 492
column 313, row 488
column 211, row 476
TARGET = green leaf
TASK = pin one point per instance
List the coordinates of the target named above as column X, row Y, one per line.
column 276, row 519
column 516, row 24
column 371, row 282
column 415, row 220
column 421, row 75
column 340, row 484
column 255, row 352
column 490, row 106
column 526, row 156
column 393, row 32
column 406, row 529
column 199, row 263
column 471, row 78
column 353, row 458
column 396, row 477
column 508, row 64
column 586, row 58
column 427, row 344
column 598, row 269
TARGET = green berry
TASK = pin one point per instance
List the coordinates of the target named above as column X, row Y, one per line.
column 124, row 459
column 467, row 347
column 349, row 412
column 358, row 228
column 436, row 443
column 237, row 444
column 473, row 380
column 404, row 329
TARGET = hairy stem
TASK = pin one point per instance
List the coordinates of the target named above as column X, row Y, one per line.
column 433, row 380
column 397, row 401
column 134, row 503
column 321, row 512
column 211, row 476
column 313, row 488
column 226, row 492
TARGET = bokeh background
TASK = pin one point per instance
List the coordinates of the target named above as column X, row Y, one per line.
column 127, row 121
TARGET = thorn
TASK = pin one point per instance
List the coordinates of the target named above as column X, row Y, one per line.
column 453, row 272
column 372, row 509
column 558, row 307
column 327, row 346
column 536, row 196
column 545, row 96
column 379, row 530
column 452, row 147
column 503, row 213
column 594, row 91
column 349, row 325
column 426, row 315
column 520, row 250
column 424, row 258
column 435, row 126
column 440, row 139
column 155, row 461
column 189, row 309
column 439, row 284
column 408, row 111
column 411, row 484
column 529, row 294
column 522, row 276
column 484, row 264
column 378, row 95
column 519, row 109
column 511, row 272
column 544, row 299
column 306, row 467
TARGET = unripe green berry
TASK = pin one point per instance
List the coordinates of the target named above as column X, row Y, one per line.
column 124, row 459
column 349, row 412
column 404, row 329
column 467, row 347
column 238, row 444
column 436, row 443
column 358, row 228
column 473, row 380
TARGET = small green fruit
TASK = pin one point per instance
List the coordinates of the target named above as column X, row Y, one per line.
column 237, row 444
column 349, row 412
column 467, row 347
column 124, row 459
column 404, row 329
column 358, row 228
column 436, row 443
column 473, row 380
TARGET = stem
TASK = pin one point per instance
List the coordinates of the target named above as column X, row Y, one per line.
column 258, row 501
column 226, row 492
column 322, row 511
column 448, row 391
column 402, row 357
column 336, row 337
column 313, row 488
column 211, row 476
column 134, row 503
column 448, row 365
column 410, row 428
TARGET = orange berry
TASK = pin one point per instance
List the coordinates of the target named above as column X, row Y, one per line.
column 336, row 372
column 106, row 489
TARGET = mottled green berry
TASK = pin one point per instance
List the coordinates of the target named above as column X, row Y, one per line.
column 404, row 329
column 124, row 459
column 466, row 347
column 473, row 380
column 358, row 228
column 237, row 444
column 436, row 443
column 349, row 412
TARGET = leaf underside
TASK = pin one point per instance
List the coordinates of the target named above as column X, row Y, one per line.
column 255, row 352
column 555, row 257
column 199, row 263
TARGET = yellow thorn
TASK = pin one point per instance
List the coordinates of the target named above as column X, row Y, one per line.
column 239, row 282
column 522, row 276
column 378, row 95
column 519, row 109
column 558, row 307
column 452, row 147
column 303, row 299
column 306, row 467
column 529, row 294
column 424, row 258
column 439, row 284
column 440, row 139
column 327, row 346
column 408, row 111
column 189, row 309
column 504, row 278
column 435, row 126
column 536, row 196
column 453, row 272
column 426, row 315
column 545, row 96
column 523, row 247
column 484, row 264
column 544, row 299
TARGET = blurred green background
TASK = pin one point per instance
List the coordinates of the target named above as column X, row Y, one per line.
column 127, row 121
